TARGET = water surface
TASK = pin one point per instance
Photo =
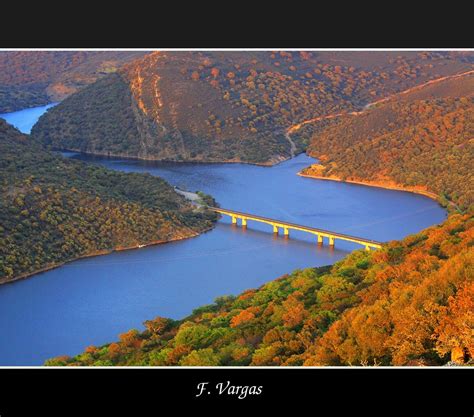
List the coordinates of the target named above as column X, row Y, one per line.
column 91, row 301
column 24, row 120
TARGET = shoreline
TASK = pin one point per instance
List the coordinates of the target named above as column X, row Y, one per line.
column 171, row 161
column 3, row 113
column 99, row 253
column 428, row 194
column 118, row 248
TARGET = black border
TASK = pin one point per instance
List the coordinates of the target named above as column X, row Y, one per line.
column 345, row 391
column 325, row 392
column 242, row 44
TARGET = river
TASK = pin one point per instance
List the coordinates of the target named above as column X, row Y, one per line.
column 91, row 301
column 24, row 120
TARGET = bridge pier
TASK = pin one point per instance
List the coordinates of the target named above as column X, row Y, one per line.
column 277, row 224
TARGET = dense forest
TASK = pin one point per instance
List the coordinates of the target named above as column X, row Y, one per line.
column 417, row 141
column 410, row 303
column 13, row 98
column 107, row 108
column 53, row 209
column 35, row 78
column 229, row 106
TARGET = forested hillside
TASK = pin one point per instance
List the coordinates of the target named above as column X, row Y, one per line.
column 229, row 106
column 54, row 210
column 35, row 78
column 410, row 303
column 423, row 141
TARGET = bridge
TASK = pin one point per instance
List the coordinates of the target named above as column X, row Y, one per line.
column 286, row 227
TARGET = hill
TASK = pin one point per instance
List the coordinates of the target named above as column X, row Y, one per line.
column 420, row 141
column 228, row 106
column 53, row 209
column 35, row 78
column 410, row 303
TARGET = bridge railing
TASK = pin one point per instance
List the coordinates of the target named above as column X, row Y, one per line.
column 368, row 243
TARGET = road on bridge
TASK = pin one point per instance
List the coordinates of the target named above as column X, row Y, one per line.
column 286, row 226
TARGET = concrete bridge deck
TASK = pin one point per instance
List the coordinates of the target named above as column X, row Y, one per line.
column 286, row 226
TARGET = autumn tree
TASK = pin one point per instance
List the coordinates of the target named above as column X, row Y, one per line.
column 455, row 332
column 243, row 317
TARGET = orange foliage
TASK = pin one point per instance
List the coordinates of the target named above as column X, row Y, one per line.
column 295, row 312
column 456, row 322
column 130, row 339
column 91, row 349
column 177, row 353
column 243, row 317
column 246, row 295
column 158, row 325
column 240, row 353
column 420, row 304
column 114, row 350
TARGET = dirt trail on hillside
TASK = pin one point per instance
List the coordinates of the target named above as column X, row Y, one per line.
column 298, row 126
column 292, row 144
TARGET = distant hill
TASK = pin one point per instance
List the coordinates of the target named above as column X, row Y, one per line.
column 53, row 209
column 410, row 303
column 422, row 140
column 228, row 106
column 35, row 78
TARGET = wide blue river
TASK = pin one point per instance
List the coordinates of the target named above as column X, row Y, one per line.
column 91, row 301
